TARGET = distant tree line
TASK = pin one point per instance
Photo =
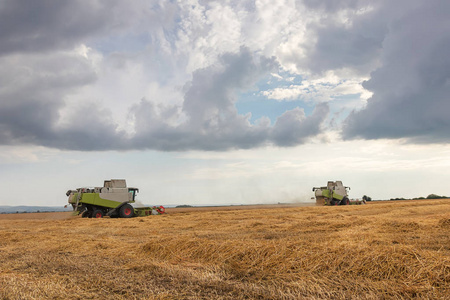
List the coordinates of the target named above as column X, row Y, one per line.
column 367, row 198
column 430, row 196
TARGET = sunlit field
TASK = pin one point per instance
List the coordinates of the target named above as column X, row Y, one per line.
column 382, row 250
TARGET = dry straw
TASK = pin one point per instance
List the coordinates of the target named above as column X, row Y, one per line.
column 390, row 250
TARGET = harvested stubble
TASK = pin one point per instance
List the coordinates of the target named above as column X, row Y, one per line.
column 392, row 250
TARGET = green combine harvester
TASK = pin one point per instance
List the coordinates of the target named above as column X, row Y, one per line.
column 335, row 193
column 113, row 200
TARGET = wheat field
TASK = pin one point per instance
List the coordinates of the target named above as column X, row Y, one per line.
column 383, row 250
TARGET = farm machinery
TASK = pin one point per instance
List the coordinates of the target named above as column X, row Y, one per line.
column 335, row 193
column 112, row 199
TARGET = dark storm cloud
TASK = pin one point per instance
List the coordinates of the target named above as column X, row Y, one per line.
column 90, row 128
column 35, row 26
column 355, row 44
column 338, row 47
column 32, row 94
column 37, row 73
column 334, row 6
column 412, row 86
column 39, row 70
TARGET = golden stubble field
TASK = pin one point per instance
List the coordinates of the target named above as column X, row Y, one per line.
column 383, row 250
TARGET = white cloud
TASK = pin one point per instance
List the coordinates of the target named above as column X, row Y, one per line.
column 319, row 89
column 146, row 61
column 17, row 155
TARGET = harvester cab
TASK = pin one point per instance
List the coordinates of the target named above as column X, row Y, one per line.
column 335, row 193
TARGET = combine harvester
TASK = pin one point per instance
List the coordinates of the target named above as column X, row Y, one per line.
column 113, row 199
column 335, row 193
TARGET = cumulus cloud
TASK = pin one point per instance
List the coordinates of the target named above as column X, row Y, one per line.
column 293, row 127
column 212, row 121
column 167, row 75
column 411, row 88
column 207, row 119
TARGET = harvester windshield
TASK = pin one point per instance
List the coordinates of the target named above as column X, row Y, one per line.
column 133, row 192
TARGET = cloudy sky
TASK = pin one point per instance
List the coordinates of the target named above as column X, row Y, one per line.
column 224, row 102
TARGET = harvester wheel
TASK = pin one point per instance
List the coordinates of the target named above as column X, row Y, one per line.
column 85, row 214
column 98, row 213
column 345, row 201
column 161, row 209
column 126, row 211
